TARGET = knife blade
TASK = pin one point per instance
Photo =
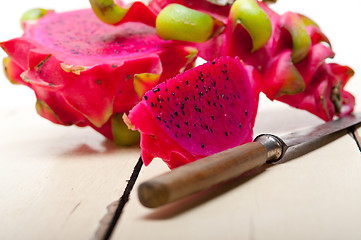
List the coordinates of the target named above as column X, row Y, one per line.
column 220, row 167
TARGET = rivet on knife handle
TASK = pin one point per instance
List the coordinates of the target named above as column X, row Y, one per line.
column 204, row 173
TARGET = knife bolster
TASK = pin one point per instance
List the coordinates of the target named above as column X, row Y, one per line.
column 274, row 145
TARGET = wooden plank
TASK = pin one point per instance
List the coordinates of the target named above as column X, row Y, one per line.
column 57, row 181
column 312, row 197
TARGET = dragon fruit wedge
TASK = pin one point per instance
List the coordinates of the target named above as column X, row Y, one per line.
column 88, row 73
column 197, row 113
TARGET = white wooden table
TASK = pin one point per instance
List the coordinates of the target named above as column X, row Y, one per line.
column 56, row 182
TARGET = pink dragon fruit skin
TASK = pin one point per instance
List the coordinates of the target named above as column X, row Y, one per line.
column 89, row 74
column 324, row 96
column 217, row 11
column 210, row 49
column 12, row 71
column 200, row 112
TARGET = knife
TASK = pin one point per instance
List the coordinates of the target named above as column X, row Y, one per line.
column 209, row 171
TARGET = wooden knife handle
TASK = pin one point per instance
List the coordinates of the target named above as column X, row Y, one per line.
column 201, row 174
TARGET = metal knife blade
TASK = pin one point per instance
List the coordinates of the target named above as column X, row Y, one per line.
column 206, row 172
column 278, row 146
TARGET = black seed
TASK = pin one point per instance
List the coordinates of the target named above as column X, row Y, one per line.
column 186, row 122
column 201, row 73
column 165, row 121
column 189, row 134
column 177, row 87
column 182, row 107
column 173, row 93
column 183, row 113
column 158, row 99
column 199, row 110
column 226, row 133
column 213, row 62
column 214, row 84
column 178, row 126
column 99, row 82
column 211, row 130
column 151, row 104
column 166, row 89
column 202, row 146
column 212, row 117
column 145, row 97
column 223, row 96
column 214, row 104
column 175, row 113
column 159, row 118
column 246, row 112
column 240, row 125
column 221, row 105
column 187, row 82
column 197, row 86
column 200, row 94
column 168, row 99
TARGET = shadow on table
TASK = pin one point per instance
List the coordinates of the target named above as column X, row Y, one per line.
column 174, row 209
column 102, row 148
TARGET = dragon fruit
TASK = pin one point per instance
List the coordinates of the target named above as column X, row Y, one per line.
column 202, row 111
column 288, row 50
column 89, row 75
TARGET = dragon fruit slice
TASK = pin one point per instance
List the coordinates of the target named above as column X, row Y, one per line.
column 202, row 111
column 91, row 74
